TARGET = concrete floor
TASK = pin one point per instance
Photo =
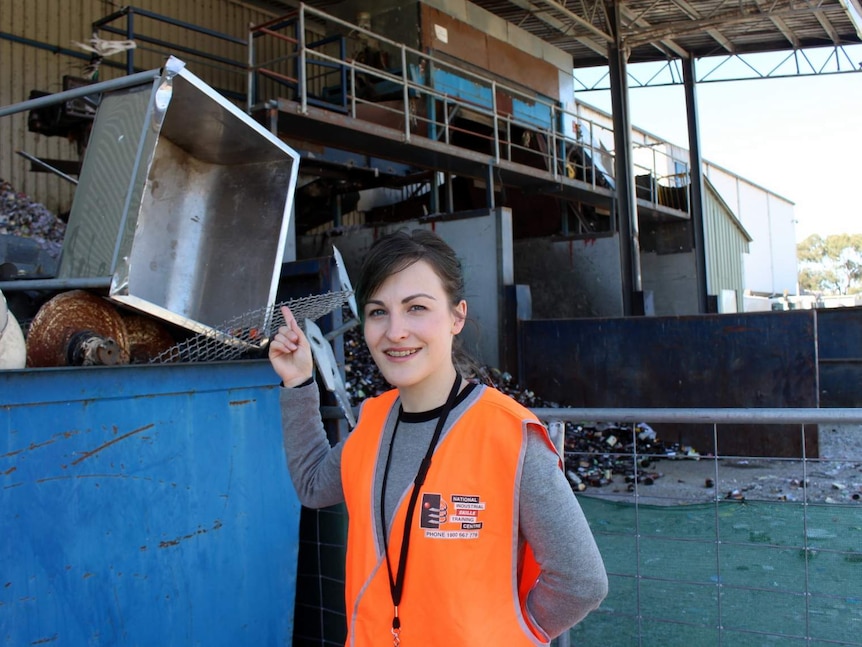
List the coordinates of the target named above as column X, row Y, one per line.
column 686, row 481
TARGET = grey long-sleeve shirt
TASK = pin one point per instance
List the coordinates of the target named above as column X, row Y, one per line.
column 573, row 581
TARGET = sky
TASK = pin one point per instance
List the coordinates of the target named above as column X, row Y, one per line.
column 799, row 137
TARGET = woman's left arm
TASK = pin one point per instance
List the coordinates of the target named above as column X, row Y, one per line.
column 573, row 581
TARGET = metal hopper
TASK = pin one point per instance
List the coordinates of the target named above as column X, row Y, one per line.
column 184, row 202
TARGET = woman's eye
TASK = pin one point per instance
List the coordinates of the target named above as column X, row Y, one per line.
column 376, row 312
column 416, row 307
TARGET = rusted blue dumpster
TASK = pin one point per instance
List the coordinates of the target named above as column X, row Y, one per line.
column 145, row 505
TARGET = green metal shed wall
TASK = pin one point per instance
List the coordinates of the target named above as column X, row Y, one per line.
column 726, row 242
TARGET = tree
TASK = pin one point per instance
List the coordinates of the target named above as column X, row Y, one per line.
column 831, row 265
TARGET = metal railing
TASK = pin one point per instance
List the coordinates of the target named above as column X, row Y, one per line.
column 427, row 96
column 217, row 56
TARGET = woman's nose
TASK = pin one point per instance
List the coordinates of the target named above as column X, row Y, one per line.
column 397, row 328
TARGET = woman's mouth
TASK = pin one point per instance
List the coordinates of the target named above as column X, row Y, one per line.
column 400, row 353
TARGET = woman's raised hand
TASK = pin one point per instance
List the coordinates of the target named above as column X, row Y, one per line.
column 290, row 352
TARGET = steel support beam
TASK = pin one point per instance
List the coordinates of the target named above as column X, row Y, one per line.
column 627, row 217
column 571, row 15
column 548, row 19
column 696, row 185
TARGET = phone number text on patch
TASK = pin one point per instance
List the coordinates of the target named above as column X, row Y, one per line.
column 451, row 534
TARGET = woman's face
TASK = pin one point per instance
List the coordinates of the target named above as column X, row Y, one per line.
column 410, row 325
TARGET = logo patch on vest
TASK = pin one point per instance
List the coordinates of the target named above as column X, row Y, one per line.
column 458, row 518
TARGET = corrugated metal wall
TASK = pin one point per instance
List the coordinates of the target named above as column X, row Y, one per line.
column 726, row 242
column 36, row 50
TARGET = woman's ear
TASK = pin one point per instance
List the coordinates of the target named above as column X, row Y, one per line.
column 460, row 312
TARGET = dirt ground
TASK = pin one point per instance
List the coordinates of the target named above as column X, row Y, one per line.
column 704, row 480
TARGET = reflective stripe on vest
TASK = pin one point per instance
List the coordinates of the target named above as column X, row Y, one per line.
column 463, row 584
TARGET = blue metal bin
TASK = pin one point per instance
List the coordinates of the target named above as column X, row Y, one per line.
column 145, row 505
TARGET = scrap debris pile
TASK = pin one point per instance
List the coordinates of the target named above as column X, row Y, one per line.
column 596, row 454
column 20, row 216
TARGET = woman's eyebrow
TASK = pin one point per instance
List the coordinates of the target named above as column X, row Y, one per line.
column 417, row 296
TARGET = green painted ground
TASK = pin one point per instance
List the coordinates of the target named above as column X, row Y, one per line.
column 731, row 574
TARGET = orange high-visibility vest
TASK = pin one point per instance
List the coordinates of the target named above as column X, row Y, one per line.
column 466, row 581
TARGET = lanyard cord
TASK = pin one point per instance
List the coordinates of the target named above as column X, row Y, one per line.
column 396, row 584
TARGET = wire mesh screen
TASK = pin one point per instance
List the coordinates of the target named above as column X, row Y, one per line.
column 247, row 334
column 730, row 550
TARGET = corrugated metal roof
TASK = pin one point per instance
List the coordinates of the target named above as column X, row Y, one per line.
column 663, row 29
column 658, row 30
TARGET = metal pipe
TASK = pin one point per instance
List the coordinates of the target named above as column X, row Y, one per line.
column 175, row 49
column 489, row 187
column 495, row 119
column 76, row 93
column 450, row 198
column 556, row 124
column 703, row 416
column 56, row 284
column 342, row 52
column 251, row 91
column 130, row 35
column 352, row 90
column 47, row 166
column 103, row 23
column 406, row 93
column 302, row 72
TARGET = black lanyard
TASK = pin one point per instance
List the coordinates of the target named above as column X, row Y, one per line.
column 396, row 584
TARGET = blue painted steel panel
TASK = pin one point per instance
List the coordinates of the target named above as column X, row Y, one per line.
column 524, row 112
column 532, row 113
column 462, row 89
column 145, row 505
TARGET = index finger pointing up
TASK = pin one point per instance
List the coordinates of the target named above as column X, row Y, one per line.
column 289, row 319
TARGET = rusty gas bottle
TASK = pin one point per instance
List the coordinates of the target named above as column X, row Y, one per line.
column 77, row 328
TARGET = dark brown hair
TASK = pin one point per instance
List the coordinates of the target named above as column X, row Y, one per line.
column 399, row 250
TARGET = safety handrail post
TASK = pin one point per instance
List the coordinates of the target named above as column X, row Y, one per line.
column 495, row 120
column 352, row 91
column 342, row 52
column 249, row 93
column 446, row 120
column 553, row 143
column 301, row 75
column 406, row 93
column 130, row 35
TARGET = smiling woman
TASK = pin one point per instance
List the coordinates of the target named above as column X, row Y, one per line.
column 410, row 334
column 519, row 564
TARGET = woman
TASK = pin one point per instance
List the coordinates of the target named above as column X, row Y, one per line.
column 463, row 529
